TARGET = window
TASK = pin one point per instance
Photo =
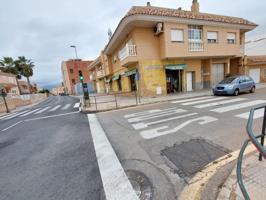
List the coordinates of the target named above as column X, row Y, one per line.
column 231, row 38
column 71, row 71
column 73, row 81
column 212, row 37
column 177, row 35
column 194, row 32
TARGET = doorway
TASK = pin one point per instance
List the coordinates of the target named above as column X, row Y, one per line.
column 132, row 79
column 190, row 81
column 217, row 73
column 173, row 81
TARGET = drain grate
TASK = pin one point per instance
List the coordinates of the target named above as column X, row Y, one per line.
column 190, row 157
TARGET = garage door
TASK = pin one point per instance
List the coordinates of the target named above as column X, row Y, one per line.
column 217, row 73
column 255, row 74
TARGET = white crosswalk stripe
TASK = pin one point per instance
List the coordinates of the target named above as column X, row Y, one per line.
column 8, row 115
column 66, row 107
column 17, row 114
column 238, row 106
column 55, row 108
column 76, row 105
column 203, row 101
column 42, row 110
column 28, row 113
column 148, row 112
column 219, row 103
column 192, row 99
column 257, row 114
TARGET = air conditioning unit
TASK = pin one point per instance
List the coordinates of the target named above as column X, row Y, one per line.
column 158, row 29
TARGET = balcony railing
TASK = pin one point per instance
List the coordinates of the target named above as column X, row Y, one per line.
column 195, row 46
column 100, row 73
column 128, row 50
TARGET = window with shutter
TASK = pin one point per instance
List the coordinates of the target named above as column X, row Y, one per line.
column 177, row 35
column 212, row 37
column 231, row 38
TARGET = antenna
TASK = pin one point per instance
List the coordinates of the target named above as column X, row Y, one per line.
column 110, row 33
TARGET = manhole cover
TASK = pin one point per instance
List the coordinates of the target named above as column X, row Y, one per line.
column 141, row 184
column 190, row 157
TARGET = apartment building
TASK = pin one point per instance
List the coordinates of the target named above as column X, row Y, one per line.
column 70, row 73
column 9, row 83
column 256, row 68
column 158, row 50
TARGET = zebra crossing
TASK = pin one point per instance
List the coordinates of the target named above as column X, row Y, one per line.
column 154, row 123
column 36, row 111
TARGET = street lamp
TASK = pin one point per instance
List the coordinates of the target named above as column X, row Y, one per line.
column 74, row 46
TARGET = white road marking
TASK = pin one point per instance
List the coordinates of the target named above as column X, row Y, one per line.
column 51, row 116
column 17, row 114
column 42, row 110
column 7, row 115
column 11, row 126
column 192, row 99
column 219, row 103
column 55, row 108
column 30, row 112
column 203, row 101
column 257, row 114
column 141, row 118
column 66, row 107
column 115, row 182
column 76, row 105
column 153, row 133
column 238, row 106
column 142, row 125
column 148, row 112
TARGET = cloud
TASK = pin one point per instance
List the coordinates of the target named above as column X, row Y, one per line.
column 44, row 30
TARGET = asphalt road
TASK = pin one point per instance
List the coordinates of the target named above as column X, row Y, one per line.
column 169, row 142
column 46, row 152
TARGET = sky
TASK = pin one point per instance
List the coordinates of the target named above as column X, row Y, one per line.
column 43, row 30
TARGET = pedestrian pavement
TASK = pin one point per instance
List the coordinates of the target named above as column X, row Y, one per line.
column 254, row 178
column 110, row 102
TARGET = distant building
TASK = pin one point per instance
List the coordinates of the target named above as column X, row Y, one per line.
column 70, row 72
column 58, row 90
column 8, row 81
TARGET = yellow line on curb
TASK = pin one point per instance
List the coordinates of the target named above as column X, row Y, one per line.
column 193, row 190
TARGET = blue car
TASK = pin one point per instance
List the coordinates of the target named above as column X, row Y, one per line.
column 234, row 85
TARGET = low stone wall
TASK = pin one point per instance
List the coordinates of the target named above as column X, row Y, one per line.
column 20, row 100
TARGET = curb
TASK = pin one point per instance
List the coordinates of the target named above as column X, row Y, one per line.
column 195, row 187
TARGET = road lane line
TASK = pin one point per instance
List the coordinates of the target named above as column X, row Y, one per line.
column 51, row 116
column 17, row 114
column 44, row 109
column 66, row 107
column 148, row 112
column 28, row 113
column 238, row 106
column 115, row 182
column 192, row 99
column 138, row 119
column 219, row 103
column 257, row 114
column 55, row 108
column 12, row 126
column 76, row 105
column 142, row 125
column 8, row 115
column 203, row 101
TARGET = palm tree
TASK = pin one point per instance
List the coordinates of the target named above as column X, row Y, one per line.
column 25, row 67
column 8, row 65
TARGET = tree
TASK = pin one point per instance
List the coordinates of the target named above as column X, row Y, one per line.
column 25, row 67
column 8, row 65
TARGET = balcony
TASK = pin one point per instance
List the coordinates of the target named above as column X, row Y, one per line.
column 100, row 74
column 195, row 45
column 128, row 55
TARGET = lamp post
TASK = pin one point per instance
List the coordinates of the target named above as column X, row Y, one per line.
column 75, row 47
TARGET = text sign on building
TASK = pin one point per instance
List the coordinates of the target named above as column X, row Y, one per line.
column 176, row 66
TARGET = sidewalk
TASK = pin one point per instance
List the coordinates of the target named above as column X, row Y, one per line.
column 254, row 177
column 110, row 102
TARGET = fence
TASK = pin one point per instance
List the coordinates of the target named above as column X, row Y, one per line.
column 14, row 101
column 112, row 101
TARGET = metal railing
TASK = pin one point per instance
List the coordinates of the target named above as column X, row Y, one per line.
column 253, row 138
column 195, row 45
column 126, row 51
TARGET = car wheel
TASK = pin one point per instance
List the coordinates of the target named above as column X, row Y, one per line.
column 252, row 90
column 236, row 92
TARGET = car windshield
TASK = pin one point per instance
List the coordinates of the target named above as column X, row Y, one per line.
column 228, row 80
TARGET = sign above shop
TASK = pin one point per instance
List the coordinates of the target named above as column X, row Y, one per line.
column 115, row 78
column 176, row 66
column 131, row 72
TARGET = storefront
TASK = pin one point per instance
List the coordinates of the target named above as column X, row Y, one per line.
column 131, row 74
column 174, row 77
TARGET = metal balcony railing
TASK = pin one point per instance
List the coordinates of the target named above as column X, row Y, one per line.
column 195, row 45
column 128, row 50
column 254, row 139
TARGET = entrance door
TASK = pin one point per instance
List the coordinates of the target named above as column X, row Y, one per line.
column 174, row 81
column 217, row 73
column 189, row 81
column 255, row 74
column 133, row 82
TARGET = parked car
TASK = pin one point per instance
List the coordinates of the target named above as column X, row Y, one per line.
column 234, row 85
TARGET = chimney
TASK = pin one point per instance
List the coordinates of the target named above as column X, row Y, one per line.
column 195, row 6
column 148, row 3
